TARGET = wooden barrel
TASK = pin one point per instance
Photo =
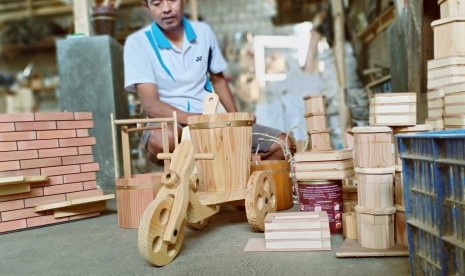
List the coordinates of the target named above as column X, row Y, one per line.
column 229, row 137
column 375, row 190
column 375, row 231
column 133, row 195
column 279, row 169
column 373, row 147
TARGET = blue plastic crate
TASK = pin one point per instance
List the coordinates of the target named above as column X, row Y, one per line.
column 454, row 257
column 424, row 252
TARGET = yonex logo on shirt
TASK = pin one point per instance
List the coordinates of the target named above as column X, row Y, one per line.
column 198, row 59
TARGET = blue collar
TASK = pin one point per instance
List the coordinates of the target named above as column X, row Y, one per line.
column 164, row 43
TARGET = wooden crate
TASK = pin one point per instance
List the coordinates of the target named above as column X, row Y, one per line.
column 320, row 140
column 316, row 122
column 393, row 98
column 449, row 8
column 315, row 104
column 448, row 37
column 373, row 147
column 375, row 231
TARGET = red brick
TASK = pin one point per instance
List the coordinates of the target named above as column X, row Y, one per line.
column 55, row 180
column 9, row 166
column 7, row 146
column 16, row 117
column 33, row 193
column 85, row 150
column 58, row 152
column 76, row 142
column 36, row 201
column 63, row 188
column 11, row 205
column 44, row 220
column 29, row 172
column 54, row 116
column 91, row 167
column 89, row 185
column 54, row 134
column 83, row 216
column 77, row 159
column 38, row 144
column 12, row 225
column 60, row 170
column 17, row 136
column 75, row 124
column 84, row 194
column 82, row 133
column 19, row 214
column 18, row 155
column 83, row 115
column 40, row 163
column 4, row 127
column 70, row 178
column 36, row 125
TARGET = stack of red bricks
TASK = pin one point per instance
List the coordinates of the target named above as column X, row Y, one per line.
column 57, row 145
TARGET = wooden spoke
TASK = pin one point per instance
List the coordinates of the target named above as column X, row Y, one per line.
column 260, row 199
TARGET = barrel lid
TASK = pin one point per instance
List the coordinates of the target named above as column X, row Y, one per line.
column 371, row 129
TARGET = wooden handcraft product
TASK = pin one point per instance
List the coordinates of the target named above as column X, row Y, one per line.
column 315, row 104
column 134, row 195
column 316, row 122
column 446, row 32
column 320, row 140
column 453, row 121
column 452, row 98
column 444, row 72
column 436, row 103
column 454, row 109
column 435, row 94
column 375, row 190
column 435, row 112
column 375, row 231
column 19, row 184
column 382, row 109
column 349, row 225
column 436, row 123
column 400, row 225
column 393, row 98
column 455, row 88
column 348, row 139
column 394, row 119
column 443, row 82
column 373, row 147
column 229, row 136
column 408, row 130
column 450, row 8
column 332, row 155
column 279, row 169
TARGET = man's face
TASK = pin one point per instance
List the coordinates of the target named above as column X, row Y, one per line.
column 167, row 13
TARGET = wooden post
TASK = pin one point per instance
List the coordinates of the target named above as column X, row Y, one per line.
column 194, row 10
column 339, row 56
column 81, row 10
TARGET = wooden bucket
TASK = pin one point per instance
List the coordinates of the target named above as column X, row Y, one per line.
column 375, row 190
column 373, row 147
column 375, row 231
column 133, row 195
column 229, row 137
column 279, row 169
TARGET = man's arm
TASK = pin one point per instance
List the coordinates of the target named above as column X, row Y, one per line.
column 154, row 108
column 224, row 93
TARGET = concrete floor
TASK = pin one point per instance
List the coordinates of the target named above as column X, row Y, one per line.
column 98, row 247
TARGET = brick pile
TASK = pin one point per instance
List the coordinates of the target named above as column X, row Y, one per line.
column 57, row 145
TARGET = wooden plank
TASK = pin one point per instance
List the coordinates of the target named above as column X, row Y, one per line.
column 194, row 10
column 393, row 98
column 86, row 200
column 165, row 143
column 15, row 189
column 258, row 245
column 81, row 10
column 351, row 249
column 323, row 156
column 126, row 153
column 78, row 210
column 324, row 175
column 444, row 62
column 11, row 180
column 19, row 184
column 115, row 151
column 337, row 165
column 384, row 20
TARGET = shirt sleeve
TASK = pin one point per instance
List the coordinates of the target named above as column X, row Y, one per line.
column 218, row 64
column 137, row 65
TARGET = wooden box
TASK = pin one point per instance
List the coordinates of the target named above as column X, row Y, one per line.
column 449, row 8
column 133, row 195
column 382, row 109
column 449, row 36
column 375, row 231
column 375, row 190
column 316, row 122
column 315, row 104
column 373, row 147
column 320, row 140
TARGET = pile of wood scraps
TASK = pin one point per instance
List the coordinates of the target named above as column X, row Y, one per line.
column 293, row 231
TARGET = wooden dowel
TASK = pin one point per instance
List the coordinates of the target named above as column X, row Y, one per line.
column 115, row 151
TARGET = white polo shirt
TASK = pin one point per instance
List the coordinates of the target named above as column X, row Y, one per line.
column 180, row 74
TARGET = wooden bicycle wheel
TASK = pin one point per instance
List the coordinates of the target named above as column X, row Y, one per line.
column 152, row 229
column 260, row 199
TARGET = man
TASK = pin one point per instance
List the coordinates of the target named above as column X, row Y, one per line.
column 167, row 63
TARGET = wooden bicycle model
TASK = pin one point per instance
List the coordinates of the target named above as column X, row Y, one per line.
column 220, row 149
